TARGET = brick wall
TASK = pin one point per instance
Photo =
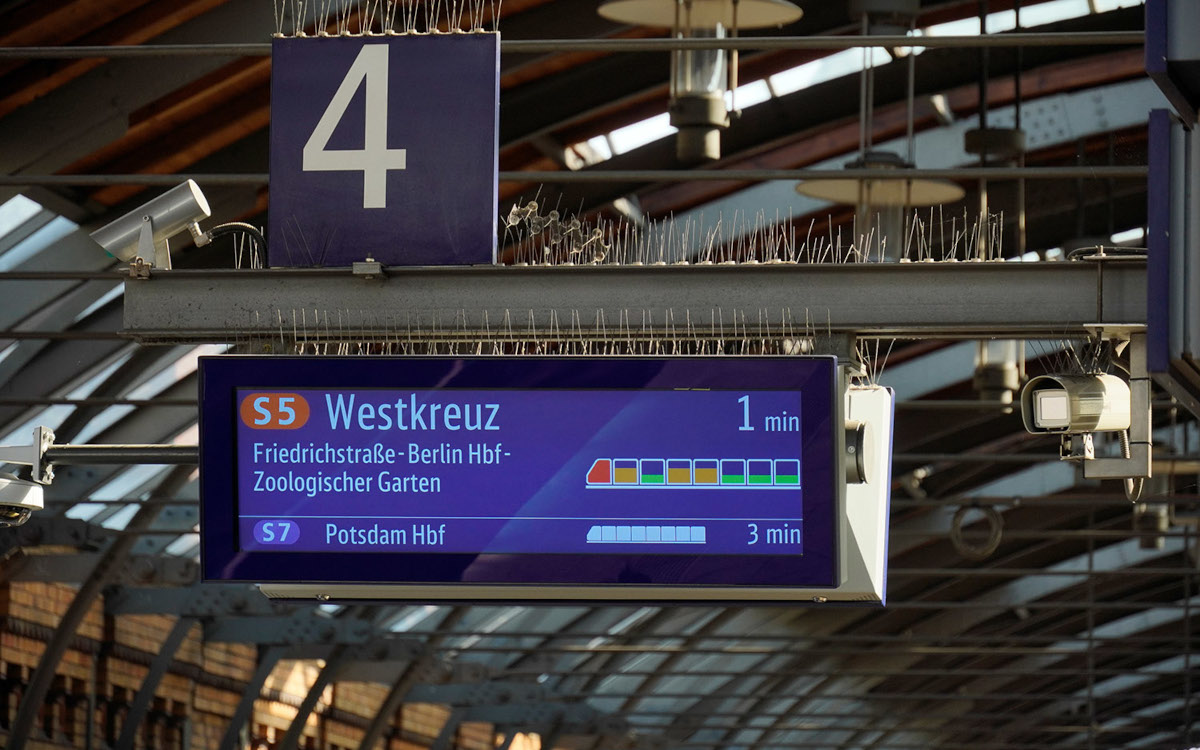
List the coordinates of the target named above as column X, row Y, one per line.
column 197, row 696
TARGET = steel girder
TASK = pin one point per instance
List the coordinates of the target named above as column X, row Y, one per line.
column 135, row 570
column 94, row 109
column 744, row 301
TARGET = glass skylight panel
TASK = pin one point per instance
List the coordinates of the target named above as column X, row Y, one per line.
column 104, row 299
column 1055, row 10
column 175, row 371
column 51, row 416
column 961, row 27
column 1104, row 6
column 640, row 133
column 184, row 545
column 1137, row 234
column 755, row 92
column 16, row 211
column 409, row 620
column 93, row 381
column 623, row 624
column 842, row 63
column 102, row 421
column 491, row 625
column 35, row 243
column 20, row 217
column 121, row 518
column 601, row 146
column 85, row 511
column 126, row 481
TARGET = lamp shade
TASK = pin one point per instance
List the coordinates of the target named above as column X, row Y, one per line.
column 751, row 14
column 896, row 191
column 884, row 191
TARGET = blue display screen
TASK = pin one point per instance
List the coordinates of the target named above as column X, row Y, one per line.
column 559, row 471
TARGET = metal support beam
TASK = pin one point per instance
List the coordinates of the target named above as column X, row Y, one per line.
column 135, row 570
column 55, row 531
column 43, row 676
column 1140, row 462
column 92, row 455
column 564, row 176
column 303, row 627
column 291, row 739
column 442, row 741
column 916, row 299
column 266, row 664
column 544, row 46
column 551, row 739
column 209, row 600
column 509, row 735
column 158, row 668
column 413, row 673
column 421, row 669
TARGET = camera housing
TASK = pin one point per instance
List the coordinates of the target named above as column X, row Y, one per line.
column 18, row 500
column 1075, row 404
column 144, row 231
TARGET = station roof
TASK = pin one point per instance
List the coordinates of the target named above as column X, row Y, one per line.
column 1075, row 631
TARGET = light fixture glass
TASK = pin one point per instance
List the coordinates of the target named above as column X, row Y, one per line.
column 701, row 78
column 882, row 202
column 886, row 191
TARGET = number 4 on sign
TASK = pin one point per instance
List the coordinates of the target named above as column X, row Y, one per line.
column 374, row 159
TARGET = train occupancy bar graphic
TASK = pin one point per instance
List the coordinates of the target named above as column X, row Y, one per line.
column 699, row 473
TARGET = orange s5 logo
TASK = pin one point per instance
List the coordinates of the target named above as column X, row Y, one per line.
column 274, row 411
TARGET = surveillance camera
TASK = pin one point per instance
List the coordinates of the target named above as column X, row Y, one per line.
column 1075, row 404
column 18, row 500
column 144, row 231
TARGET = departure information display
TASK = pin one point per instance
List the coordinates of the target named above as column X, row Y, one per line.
column 632, row 470
column 519, row 471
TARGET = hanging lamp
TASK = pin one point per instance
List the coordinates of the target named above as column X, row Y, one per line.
column 700, row 79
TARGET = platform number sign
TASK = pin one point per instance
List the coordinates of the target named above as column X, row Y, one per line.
column 374, row 159
column 384, row 147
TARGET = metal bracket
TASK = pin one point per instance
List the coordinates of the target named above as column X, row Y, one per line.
column 1139, row 463
column 139, row 269
column 147, row 248
column 33, row 456
column 367, row 269
column 1077, row 447
column 43, row 471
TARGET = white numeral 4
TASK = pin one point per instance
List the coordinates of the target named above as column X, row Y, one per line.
column 375, row 159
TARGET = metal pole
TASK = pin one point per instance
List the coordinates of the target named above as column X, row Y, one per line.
column 393, row 701
column 762, row 175
column 241, row 715
column 627, row 175
column 981, row 244
column 1000, row 458
column 122, row 454
column 291, row 740
column 541, row 46
column 414, row 672
column 442, row 741
column 1021, row 218
column 145, row 694
column 103, row 180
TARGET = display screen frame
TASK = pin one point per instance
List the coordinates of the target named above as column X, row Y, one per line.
column 815, row 378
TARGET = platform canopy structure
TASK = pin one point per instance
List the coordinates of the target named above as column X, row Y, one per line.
column 1028, row 608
